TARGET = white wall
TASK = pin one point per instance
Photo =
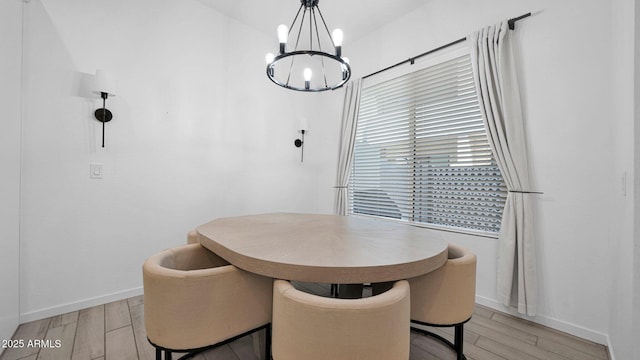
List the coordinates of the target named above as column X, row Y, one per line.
column 10, row 95
column 565, row 52
column 198, row 132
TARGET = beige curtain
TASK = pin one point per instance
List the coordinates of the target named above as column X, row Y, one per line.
column 497, row 86
column 347, row 142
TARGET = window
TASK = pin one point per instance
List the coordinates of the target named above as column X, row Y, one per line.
column 422, row 154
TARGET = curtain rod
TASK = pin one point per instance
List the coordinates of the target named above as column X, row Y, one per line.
column 512, row 25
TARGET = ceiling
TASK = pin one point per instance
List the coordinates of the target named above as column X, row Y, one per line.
column 355, row 18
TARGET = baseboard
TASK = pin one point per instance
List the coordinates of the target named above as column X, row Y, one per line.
column 612, row 356
column 8, row 327
column 78, row 305
column 560, row 325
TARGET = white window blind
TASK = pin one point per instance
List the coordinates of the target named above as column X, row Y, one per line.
column 422, row 154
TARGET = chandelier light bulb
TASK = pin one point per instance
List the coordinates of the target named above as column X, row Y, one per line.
column 269, row 58
column 344, row 68
column 283, row 33
column 337, row 36
column 307, row 78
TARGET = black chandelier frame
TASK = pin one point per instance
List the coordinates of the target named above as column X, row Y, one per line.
column 310, row 6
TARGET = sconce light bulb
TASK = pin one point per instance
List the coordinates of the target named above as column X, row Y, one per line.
column 269, row 58
column 337, row 37
column 283, row 33
column 303, row 124
column 307, row 74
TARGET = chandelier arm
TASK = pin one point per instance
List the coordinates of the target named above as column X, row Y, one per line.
column 290, row 67
column 324, row 73
column 297, row 42
column 326, row 28
column 295, row 18
column 291, row 28
column 300, row 29
column 311, row 16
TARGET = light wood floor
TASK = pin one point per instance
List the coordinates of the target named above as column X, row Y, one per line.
column 115, row 331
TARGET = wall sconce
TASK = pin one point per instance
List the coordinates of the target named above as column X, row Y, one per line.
column 104, row 85
column 303, row 126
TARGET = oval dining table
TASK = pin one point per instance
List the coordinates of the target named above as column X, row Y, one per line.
column 324, row 248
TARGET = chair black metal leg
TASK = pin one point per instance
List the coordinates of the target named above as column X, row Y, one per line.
column 379, row 288
column 350, row 291
column 190, row 353
column 334, row 290
column 267, row 344
column 459, row 341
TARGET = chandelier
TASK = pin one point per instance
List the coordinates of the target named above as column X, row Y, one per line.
column 307, row 67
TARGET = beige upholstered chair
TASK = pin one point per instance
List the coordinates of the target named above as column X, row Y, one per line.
column 192, row 237
column 310, row 327
column 195, row 300
column 446, row 297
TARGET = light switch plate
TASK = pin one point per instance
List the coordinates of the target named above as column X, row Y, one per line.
column 95, row 171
